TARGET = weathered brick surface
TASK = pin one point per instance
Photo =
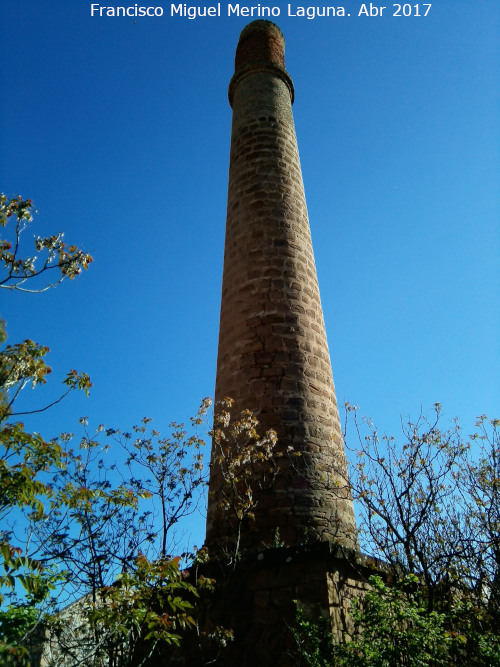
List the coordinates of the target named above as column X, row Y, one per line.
column 260, row 41
column 273, row 355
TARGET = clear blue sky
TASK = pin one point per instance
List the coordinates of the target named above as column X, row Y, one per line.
column 119, row 128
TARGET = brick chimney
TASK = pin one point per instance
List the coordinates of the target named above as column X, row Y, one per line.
column 273, row 354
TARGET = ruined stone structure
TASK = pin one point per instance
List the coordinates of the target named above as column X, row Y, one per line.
column 273, row 355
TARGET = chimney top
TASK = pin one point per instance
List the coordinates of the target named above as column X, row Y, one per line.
column 261, row 47
column 260, row 41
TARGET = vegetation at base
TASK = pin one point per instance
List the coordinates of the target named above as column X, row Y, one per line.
column 313, row 639
column 89, row 567
column 393, row 628
column 430, row 511
column 74, row 529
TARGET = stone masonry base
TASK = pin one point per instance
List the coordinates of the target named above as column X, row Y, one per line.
column 258, row 599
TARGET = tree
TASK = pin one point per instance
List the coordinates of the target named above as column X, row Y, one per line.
column 246, row 467
column 26, row 457
column 101, row 536
column 480, row 491
column 429, row 509
column 65, row 261
column 407, row 497
column 23, row 364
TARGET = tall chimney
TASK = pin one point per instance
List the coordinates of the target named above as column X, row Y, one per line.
column 273, row 354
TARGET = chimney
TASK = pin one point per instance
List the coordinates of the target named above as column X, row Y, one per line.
column 273, row 356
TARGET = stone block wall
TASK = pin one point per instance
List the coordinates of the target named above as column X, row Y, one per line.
column 258, row 600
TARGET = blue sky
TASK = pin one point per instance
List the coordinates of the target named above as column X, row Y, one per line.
column 119, row 128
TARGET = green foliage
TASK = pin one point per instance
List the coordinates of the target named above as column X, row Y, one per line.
column 3, row 392
column 314, row 640
column 66, row 261
column 22, row 620
column 168, row 470
column 150, row 598
column 101, row 516
column 23, row 365
column 106, row 533
column 396, row 629
column 24, row 457
column 247, row 465
column 430, row 510
column 123, row 623
column 430, row 505
column 393, row 628
column 27, row 460
column 15, row 623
